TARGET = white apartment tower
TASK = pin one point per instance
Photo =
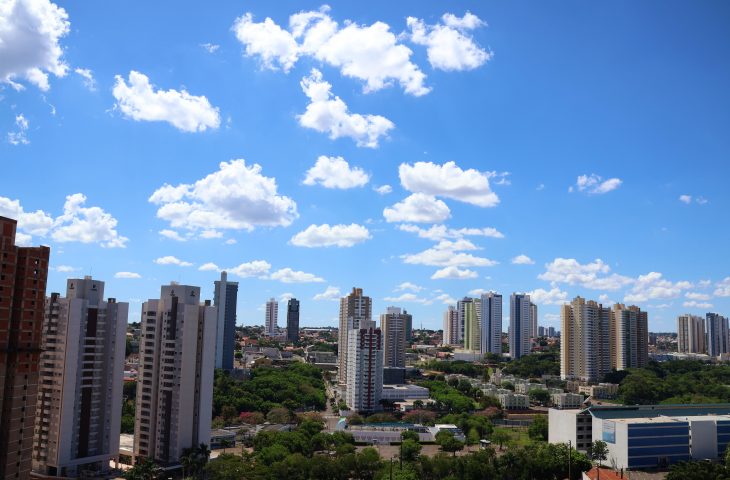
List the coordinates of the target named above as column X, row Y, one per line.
column 175, row 382
column 533, row 321
column 80, row 389
column 469, row 312
column 272, row 317
column 394, row 325
column 364, row 367
column 451, row 327
column 691, row 334
column 354, row 309
column 629, row 337
column 520, row 322
column 585, row 345
column 491, row 323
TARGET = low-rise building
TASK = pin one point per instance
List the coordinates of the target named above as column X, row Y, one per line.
column 565, row 401
column 602, row 390
column 385, row 433
column 526, row 388
column 514, row 401
column 447, row 427
column 396, row 393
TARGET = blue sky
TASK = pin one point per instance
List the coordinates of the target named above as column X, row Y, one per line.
column 589, row 144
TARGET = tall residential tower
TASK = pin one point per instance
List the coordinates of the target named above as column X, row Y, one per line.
column 585, row 351
column 394, row 325
column 491, row 324
column 292, row 320
column 225, row 299
column 691, row 334
column 520, row 313
column 271, row 321
column 354, row 309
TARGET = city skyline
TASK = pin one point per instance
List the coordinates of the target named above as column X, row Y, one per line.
column 604, row 135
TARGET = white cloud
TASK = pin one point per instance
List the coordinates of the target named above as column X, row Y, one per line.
column 408, row 297
column 653, row 286
column 86, row 224
column 408, row 286
column 445, row 298
column 30, row 32
column 592, row 275
column 441, row 232
column 172, row 235
column 595, row 184
column 723, row 288
column 208, row 234
column 29, row 223
column 287, row 275
column 88, row 76
column 171, row 260
column 256, row 268
column 522, row 260
column 418, row 208
column 231, row 241
column 127, row 275
column 335, row 172
column 285, row 297
column 209, row 267
column 139, row 101
column 235, row 197
column 697, row 296
column 454, row 273
column 478, row 292
column 327, row 113
column 448, row 254
column 694, row 304
column 19, row 136
column 687, row 199
column 448, row 180
column 449, row 45
column 65, row 268
column 554, row 296
column 329, row 236
column 210, row 47
column 368, row 53
column 383, row 189
column 331, row 293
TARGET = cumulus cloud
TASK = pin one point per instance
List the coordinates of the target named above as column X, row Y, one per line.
column 697, row 296
column 408, row 286
column 595, row 185
column 86, row 224
column 65, row 269
column 383, row 189
column 418, row 208
column 371, row 53
column 448, row 180
column 449, row 44
column 287, row 275
column 256, row 268
column 554, row 296
column 454, row 273
column 236, row 197
column 442, row 232
column 335, row 172
column 688, row 199
column 138, row 100
column 171, row 260
column 723, row 288
column 19, row 136
column 327, row 113
column 331, row 236
column 654, row 286
column 30, row 35
column 522, row 260
column 209, row 267
column 210, row 47
column 594, row 275
column 127, row 275
column 172, row 235
column 88, row 77
column 448, row 254
column 285, row 297
column 407, row 297
column 330, row 293
column 695, row 304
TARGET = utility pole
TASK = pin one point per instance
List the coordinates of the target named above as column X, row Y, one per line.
column 570, row 477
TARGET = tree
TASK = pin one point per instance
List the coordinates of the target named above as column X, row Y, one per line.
column 409, row 435
column 228, row 467
column 228, row 412
column 698, row 471
column 540, row 396
column 448, row 443
column 278, row 415
column 598, row 452
column 538, row 430
column 410, row 450
column 194, row 459
column 144, row 469
column 500, row 437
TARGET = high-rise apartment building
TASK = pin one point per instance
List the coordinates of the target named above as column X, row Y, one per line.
column 491, row 323
column 225, row 299
column 519, row 324
column 78, row 418
column 292, row 320
column 271, row 321
column 354, row 308
column 451, row 326
column 364, row 367
column 585, row 351
column 717, row 334
column 691, row 334
column 533, row 320
column 469, row 320
column 175, row 381
column 393, row 326
column 629, row 337
column 23, row 276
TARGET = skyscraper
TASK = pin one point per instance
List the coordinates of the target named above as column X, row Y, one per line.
column 533, row 320
column 225, row 299
column 451, row 326
column 354, row 308
column 272, row 317
column 717, row 334
column 393, row 325
column 364, row 367
column 80, row 393
column 519, row 324
column 691, row 334
column 491, row 324
column 175, row 383
column 629, row 337
column 469, row 320
column 585, row 352
column 22, row 296
column 292, row 320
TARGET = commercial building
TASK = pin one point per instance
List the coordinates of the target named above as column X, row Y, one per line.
column 469, row 323
column 23, row 276
column 292, row 320
column 271, row 319
column 354, row 308
column 175, row 386
column 519, row 324
column 491, row 323
column 628, row 337
column 717, row 335
column 225, row 299
column 364, row 367
column 394, row 325
column 451, row 326
column 691, row 334
column 78, row 418
column 585, row 346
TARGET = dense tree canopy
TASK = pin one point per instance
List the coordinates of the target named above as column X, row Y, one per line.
column 535, row 365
